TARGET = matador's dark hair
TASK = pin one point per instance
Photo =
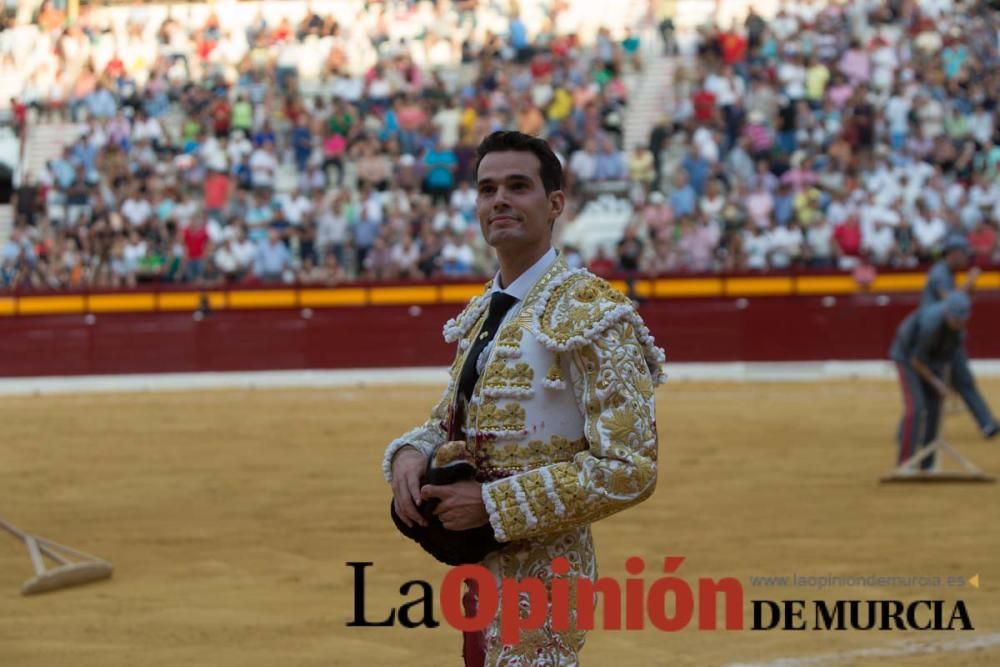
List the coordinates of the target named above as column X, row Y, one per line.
column 551, row 171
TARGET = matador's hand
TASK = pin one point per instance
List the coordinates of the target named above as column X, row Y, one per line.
column 461, row 506
column 407, row 467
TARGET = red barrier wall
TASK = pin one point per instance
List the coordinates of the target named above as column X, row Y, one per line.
column 775, row 328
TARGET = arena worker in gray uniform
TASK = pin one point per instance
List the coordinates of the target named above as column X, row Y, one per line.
column 940, row 283
column 925, row 343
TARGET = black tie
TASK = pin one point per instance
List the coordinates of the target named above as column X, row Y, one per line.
column 500, row 303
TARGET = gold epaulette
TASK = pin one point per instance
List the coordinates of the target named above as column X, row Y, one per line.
column 577, row 308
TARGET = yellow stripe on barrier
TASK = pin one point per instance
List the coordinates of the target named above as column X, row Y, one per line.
column 395, row 296
column 445, row 294
column 120, row 303
column 825, row 285
column 988, row 280
column 346, row 296
column 460, row 293
column 687, row 287
column 178, row 300
column 899, row 282
column 217, row 300
column 190, row 300
column 757, row 286
column 50, row 305
column 262, row 299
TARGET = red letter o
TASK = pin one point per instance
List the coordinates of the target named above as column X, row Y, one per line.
column 451, row 598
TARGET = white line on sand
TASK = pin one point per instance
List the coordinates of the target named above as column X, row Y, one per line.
column 725, row 372
column 894, row 651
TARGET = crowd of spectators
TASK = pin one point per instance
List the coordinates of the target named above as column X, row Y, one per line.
column 844, row 136
column 831, row 136
column 217, row 153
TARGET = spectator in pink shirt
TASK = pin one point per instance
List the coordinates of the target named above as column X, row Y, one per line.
column 801, row 175
column 697, row 244
column 760, row 135
column 334, row 146
column 665, row 257
column 760, row 204
column 855, row 64
column 657, row 215
column 840, row 90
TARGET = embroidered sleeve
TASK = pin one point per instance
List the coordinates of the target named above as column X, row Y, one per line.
column 614, row 389
column 424, row 437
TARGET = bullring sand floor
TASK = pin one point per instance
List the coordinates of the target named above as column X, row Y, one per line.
column 229, row 516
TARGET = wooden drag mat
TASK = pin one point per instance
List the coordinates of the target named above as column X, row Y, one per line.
column 229, row 516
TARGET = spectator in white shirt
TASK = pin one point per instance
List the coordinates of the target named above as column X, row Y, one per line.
column 819, row 244
column 448, row 121
column 463, row 199
column 727, row 88
column 784, row 245
column 137, row 209
column 928, row 229
column 784, row 25
column 449, row 219
column 792, row 75
column 457, row 256
column 372, row 204
column 708, row 143
column 263, row 166
column 147, row 128
column 132, row 254
column 227, row 260
column 296, row 207
column 876, row 211
column 583, row 164
column 713, row 201
column 755, row 246
column 238, row 147
column 879, row 242
column 404, row 256
column 245, row 250
column 981, row 124
column 930, row 114
column 331, row 230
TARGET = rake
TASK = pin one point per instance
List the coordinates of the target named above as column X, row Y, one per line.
column 909, row 470
column 68, row 573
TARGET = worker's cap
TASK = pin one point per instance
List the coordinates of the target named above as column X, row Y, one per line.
column 958, row 305
column 957, row 242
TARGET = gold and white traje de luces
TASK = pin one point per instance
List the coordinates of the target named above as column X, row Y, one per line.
column 562, row 425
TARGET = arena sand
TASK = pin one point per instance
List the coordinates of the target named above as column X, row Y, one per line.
column 229, row 517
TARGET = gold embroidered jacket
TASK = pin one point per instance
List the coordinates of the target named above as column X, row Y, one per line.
column 562, row 420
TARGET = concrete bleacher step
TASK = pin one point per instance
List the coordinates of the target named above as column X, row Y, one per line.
column 46, row 142
column 6, row 223
column 691, row 14
column 600, row 224
column 652, row 96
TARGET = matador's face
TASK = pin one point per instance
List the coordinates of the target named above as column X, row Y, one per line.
column 514, row 211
